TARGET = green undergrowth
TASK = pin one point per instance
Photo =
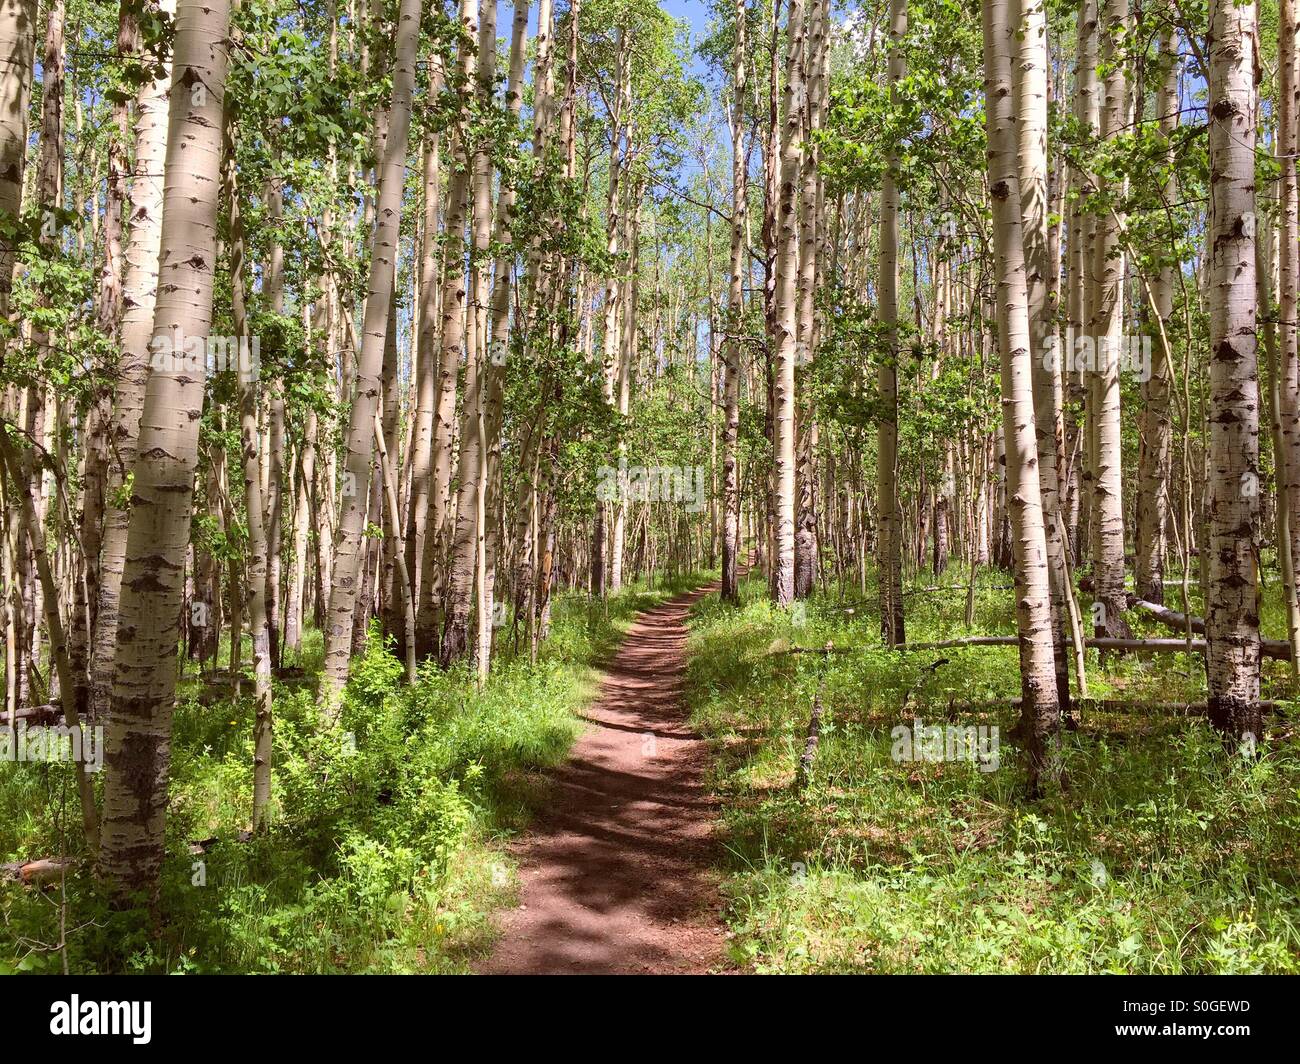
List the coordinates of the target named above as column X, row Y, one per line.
column 1158, row 852
column 386, row 851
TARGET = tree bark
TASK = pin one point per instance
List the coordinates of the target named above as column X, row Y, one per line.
column 138, row 755
column 1040, row 711
column 890, row 548
column 735, row 316
column 1232, row 614
column 785, row 341
column 349, row 543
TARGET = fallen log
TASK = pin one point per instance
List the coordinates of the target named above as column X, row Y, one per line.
column 1103, row 705
column 804, row 773
column 43, row 715
column 933, row 588
column 36, row 873
column 1175, row 620
column 1269, row 648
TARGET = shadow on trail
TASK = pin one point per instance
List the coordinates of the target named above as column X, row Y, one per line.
column 617, row 869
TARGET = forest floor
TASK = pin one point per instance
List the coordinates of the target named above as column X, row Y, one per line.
column 618, row 872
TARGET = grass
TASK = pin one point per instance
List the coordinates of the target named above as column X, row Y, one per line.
column 1158, row 853
column 386, row 852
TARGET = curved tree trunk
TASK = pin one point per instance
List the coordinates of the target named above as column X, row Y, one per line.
column 349, row 542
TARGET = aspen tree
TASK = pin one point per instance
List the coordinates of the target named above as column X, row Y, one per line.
column 1287, row 384
column 17, row 55
column 731, row 352
column 138, row 742
column 426, row 342
column 349, row 543
column 611, row 346
column 1040, row 711
column 465, row 566
column 451, row 303
column 256, row 595
column 1152, row 517
column 1079, row 303
column 890, row 544
column 786, row 339
column 1030, row 71
column 816, row 55
column 1107, row 328
column 1232, row 613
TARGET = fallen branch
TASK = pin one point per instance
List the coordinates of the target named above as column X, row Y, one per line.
column 35, row 873
column 1269, row 648
column 804, row 773
column 1105, row 705
column 1177, row 621
column 33, row 715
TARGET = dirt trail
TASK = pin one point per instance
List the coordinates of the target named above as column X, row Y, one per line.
column 616, row 872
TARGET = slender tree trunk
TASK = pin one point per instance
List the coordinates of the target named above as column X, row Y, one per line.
column 1287, row 380
column 1232, row 608
column 138, row 757
column 257, row 590
column 731, row 350
column 349, row 542
column 1108, row 335
column 294, row 620
column 17, row 55
column 452, row 304
column 273, row 284
column 1150, row 527
column 890, row 541
column 426, row 348
column 785, row 341
column 139, row 290
column 812, row 232
column 1040, row 712
column 35, row 536
column 1030, row 69
column 464, row 569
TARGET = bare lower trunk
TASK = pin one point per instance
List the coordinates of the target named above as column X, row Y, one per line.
column 139, row 290
column 349, row 541
column 1108, row 335
column 735, row 316
column 1150, row 529
column 1040, row 712
column 1232, row 613
column 138, row 755
column 890, row 547
column 1030, row 67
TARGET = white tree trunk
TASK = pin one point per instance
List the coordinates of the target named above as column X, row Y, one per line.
column 1232, row 611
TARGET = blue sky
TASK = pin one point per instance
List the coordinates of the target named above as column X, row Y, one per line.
column 696, row 12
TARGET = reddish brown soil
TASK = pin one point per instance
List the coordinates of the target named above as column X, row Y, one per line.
column 617, row 872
